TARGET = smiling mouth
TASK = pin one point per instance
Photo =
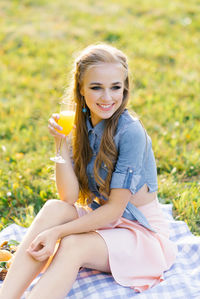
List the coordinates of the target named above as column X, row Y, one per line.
column 105, row 107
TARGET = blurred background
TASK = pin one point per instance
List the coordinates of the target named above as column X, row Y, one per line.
column 39, row 40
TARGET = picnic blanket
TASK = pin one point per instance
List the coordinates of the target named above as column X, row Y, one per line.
column 182, row 280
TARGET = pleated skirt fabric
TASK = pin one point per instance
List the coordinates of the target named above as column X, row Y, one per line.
column 137, row 256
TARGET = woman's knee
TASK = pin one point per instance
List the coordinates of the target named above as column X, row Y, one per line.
column 85, row 250
column 77, row 246
column 70, row 242
column 57, row 210
column 73, row 247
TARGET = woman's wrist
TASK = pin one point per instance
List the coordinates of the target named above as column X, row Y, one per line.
column 59, row 231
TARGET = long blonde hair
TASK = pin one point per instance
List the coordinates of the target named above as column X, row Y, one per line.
column 82, row 153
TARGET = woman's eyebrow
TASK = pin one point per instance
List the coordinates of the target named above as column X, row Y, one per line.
column 97, row 83
column 116, row 83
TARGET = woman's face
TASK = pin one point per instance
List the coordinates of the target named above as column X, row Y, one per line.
column 103, row 87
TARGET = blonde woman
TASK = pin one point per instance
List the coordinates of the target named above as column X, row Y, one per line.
column 108, row 218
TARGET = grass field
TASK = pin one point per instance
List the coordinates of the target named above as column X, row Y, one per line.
column 38, row 42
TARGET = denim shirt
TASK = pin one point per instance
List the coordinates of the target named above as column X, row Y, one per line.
column 135, row 165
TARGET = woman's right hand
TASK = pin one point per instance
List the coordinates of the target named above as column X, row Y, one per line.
column 42, row 247
column 53, row 125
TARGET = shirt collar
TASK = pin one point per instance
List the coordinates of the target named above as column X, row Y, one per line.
column 98, row 129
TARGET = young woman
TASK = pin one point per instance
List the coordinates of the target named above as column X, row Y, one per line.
column 117, row 225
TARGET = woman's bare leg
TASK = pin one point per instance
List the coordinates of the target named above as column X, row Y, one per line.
column 24, row 268
column 75, row 251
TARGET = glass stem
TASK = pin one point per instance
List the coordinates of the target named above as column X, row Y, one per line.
column 59, row 147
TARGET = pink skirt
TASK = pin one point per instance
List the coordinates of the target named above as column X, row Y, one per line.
column 137, row 256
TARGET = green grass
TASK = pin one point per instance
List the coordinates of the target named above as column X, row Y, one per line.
column 38, row 43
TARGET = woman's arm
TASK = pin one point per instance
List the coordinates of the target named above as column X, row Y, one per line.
column 66, row 180
column 43, row 245
column 109, row 212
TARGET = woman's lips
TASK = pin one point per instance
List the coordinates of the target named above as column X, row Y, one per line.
column 105, row 107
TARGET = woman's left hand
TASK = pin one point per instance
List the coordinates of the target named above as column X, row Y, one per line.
column 42, row 247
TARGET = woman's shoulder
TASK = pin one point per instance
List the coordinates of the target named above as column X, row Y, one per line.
column 129, row 123
column 131, row 132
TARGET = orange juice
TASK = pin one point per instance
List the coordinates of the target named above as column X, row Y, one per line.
column 66, row 121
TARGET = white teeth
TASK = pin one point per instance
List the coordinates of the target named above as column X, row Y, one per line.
column 105, row 106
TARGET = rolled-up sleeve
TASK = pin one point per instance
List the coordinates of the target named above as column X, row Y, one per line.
column 131, row 150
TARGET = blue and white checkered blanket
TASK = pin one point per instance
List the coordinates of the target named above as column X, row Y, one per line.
column 182, row 281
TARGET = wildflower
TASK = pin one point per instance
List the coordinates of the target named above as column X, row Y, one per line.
column 19, row 156
column 15, row 186
column 3, row 148
column 186, row 21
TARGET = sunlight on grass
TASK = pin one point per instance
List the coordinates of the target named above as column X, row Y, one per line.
column 39, row 40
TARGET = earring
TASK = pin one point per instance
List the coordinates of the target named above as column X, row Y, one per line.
column 84, row 109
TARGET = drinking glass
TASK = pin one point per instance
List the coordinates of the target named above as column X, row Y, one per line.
column 66, row 121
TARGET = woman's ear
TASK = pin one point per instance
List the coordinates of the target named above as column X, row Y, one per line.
column 82, row 90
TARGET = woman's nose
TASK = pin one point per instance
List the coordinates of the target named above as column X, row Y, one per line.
column 106, row 96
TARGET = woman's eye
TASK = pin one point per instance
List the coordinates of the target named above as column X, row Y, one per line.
column 99, row 87
column 116, row 87
column 95, row 87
